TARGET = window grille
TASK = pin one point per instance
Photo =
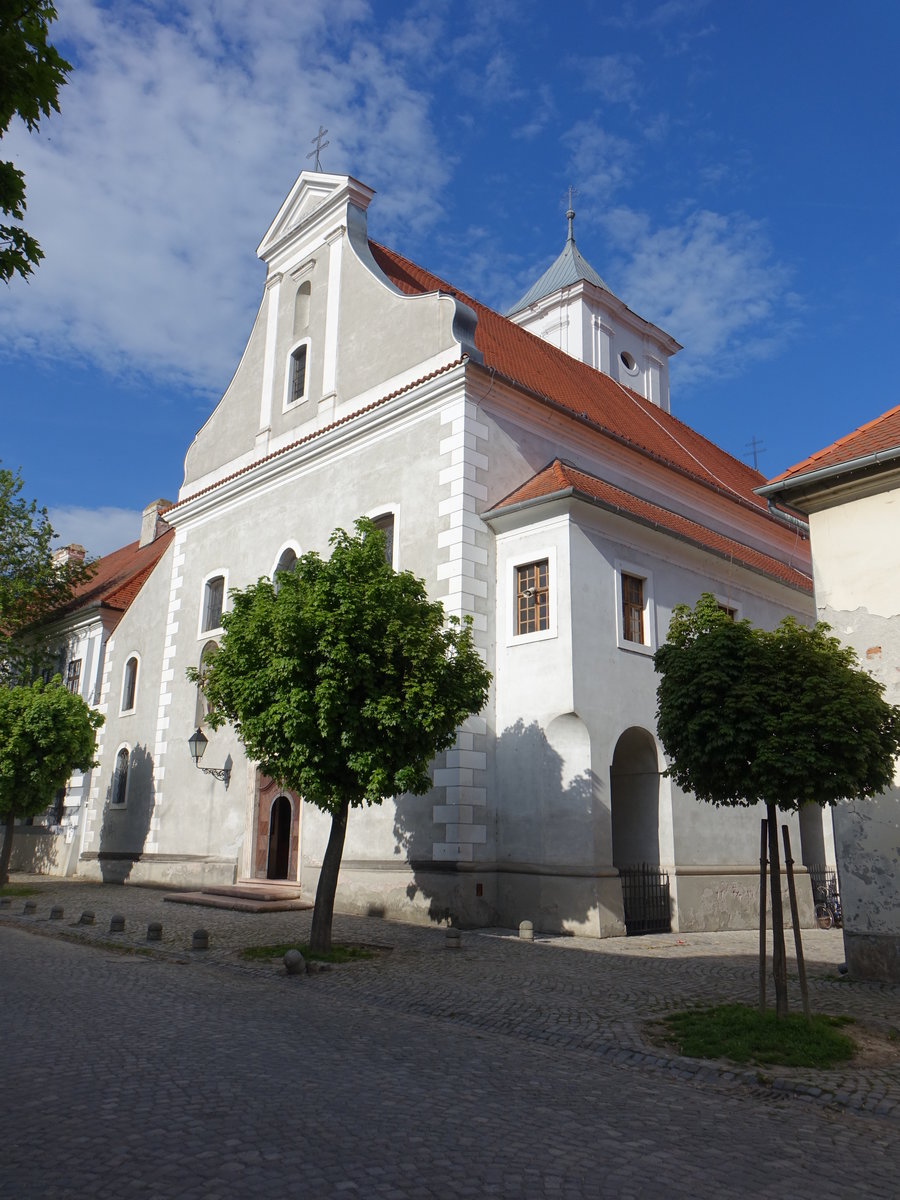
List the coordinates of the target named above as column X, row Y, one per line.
column 298, row 374
column 120, row 778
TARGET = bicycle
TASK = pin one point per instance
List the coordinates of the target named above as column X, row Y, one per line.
column 828, row 907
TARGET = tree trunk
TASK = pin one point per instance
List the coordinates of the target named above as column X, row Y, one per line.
column 779, row 958
column 6, row 853
column 323, row 913
column 763, row 860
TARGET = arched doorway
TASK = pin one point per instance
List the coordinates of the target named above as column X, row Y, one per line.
column 279, row 838
column 634, row 809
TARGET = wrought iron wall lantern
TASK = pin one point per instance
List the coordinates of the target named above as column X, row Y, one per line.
column 197, row 744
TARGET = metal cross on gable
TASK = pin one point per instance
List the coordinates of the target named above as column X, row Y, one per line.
column 319, row 147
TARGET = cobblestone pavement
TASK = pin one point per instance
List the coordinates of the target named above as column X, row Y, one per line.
column 504, row 1068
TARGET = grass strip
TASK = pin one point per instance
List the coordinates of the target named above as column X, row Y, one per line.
column 338, row 953
column 18, row 889
column 745, row 1035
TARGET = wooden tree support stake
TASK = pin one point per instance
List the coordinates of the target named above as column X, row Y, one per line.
column 795, row 919
column 763, row 859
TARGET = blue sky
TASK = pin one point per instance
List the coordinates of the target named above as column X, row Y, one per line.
column 736, row 167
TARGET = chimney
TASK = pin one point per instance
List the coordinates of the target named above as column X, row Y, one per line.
column 68, row 554
column 152, row 524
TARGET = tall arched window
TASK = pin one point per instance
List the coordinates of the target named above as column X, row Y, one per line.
column 207, row 654
column 385, row 522
column 213, row 599
column 286, row 562
column 120, row 778
column 129, row 684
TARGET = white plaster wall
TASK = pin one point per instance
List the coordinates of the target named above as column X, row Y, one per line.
column 856, row 557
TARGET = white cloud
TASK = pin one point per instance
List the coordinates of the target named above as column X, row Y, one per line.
column 181, row 132
column 601, row 161
column 711, row 281
column 615, row 76
column 99, row 530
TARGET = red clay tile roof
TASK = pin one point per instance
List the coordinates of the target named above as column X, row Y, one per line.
column 561, row 478
column 119, row 576
column 584, row 392
column 881, row 434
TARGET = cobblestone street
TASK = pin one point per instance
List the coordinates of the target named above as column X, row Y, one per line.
column 501, row 1069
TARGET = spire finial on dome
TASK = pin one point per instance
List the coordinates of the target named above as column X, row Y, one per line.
column 570, row 215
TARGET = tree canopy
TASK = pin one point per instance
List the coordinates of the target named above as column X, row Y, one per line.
column 343, row 680
column 45, row 734
column 783, row 716
column 32, row 586
column 31, row 74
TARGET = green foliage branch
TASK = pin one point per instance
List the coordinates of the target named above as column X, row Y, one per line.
column 783, row 716
column 46, row 733
column 32, row 587
column 343, row 680
column 31, row 73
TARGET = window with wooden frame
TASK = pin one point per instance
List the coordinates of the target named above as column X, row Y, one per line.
column 73, row 676
column 532, row 597
column 633, row 608
column 729, row 612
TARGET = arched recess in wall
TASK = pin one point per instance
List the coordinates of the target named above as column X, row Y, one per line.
column 301, row 308
column 634, row 799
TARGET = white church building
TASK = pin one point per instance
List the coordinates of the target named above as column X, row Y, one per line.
column 529, row 469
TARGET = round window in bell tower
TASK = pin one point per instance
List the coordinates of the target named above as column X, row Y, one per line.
column 628, row 362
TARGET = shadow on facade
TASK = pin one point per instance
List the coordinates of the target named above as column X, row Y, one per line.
column 36, row 850
column 124, row 829
column 535, row 860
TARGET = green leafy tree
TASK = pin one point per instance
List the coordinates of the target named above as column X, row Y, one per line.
column 342, row 681
column 32, row 586
column 782, row 717
column 46, row 733
column 31, row 74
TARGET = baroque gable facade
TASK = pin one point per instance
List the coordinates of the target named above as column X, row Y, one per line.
column 540, row 486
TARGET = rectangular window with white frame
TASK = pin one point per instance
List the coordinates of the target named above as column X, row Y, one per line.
column 531, row 601
column 635, row 609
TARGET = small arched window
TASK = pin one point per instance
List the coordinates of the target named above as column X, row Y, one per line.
column 129, row 684
column 120, row 778
column 207, row 654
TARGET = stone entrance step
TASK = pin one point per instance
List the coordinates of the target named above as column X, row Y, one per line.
column 247, row 895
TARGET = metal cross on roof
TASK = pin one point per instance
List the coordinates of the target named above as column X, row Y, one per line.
column 319, row 147
column 570, row 214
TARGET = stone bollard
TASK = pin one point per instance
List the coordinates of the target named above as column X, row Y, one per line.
column 294, row 962
column 200, row 940
column 154, row 931
column 57, row 912
column 117, row 923
column 87, row 917
column 452, row 940
column 526, row 931
column 30, row 907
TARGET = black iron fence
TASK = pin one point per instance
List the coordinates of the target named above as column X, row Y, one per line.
column 645, row 895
